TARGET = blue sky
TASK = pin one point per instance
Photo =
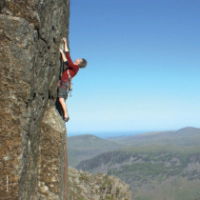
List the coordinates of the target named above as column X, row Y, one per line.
column 143, row 65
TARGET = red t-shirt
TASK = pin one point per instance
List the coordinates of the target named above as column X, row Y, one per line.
column 72, row 69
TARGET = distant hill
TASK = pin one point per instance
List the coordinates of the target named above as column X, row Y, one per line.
column 84, row 147
column 188, row 136
column 158, row 166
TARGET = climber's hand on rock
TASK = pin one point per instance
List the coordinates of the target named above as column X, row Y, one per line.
column 61, row 50
column 65, row 45
column 64, row 40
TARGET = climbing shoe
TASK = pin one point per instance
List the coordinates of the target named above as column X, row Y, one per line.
column 66, row 119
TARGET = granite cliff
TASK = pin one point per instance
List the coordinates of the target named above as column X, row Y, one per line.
column 33, row 161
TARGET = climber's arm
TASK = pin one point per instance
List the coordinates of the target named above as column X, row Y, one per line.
column 70, row 62
column 66, row 45
column 67, row 55
column 63, row 55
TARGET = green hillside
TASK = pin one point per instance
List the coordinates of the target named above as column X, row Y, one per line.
column 161, row 166
column 84, row 147
column 152, row 175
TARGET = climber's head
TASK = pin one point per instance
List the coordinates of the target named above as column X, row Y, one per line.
column 81, row 62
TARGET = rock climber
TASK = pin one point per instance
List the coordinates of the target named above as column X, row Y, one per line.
column 70, row 71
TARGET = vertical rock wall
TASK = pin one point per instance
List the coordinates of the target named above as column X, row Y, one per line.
column 32, row 134
column 52, row 175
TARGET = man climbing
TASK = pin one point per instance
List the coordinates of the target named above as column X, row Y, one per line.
column 65, row 82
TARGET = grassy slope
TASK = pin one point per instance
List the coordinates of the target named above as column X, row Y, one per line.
column 172, row 189
column 154, row 175
column 164, row 166
column 88, row 146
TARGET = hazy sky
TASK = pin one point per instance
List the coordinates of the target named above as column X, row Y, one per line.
column 143, row 65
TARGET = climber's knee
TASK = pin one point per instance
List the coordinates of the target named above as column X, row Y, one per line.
column 60, row 99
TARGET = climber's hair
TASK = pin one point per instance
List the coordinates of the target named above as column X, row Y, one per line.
column 83, row 63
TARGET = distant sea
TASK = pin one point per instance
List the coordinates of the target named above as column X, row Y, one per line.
column 110, row 134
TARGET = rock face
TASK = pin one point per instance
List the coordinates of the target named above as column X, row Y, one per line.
column 33, row 158
column 85, row 186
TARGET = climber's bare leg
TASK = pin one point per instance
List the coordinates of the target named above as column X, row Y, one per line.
column 64, row 106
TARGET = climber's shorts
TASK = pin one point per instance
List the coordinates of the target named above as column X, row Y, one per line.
column 62, row 92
